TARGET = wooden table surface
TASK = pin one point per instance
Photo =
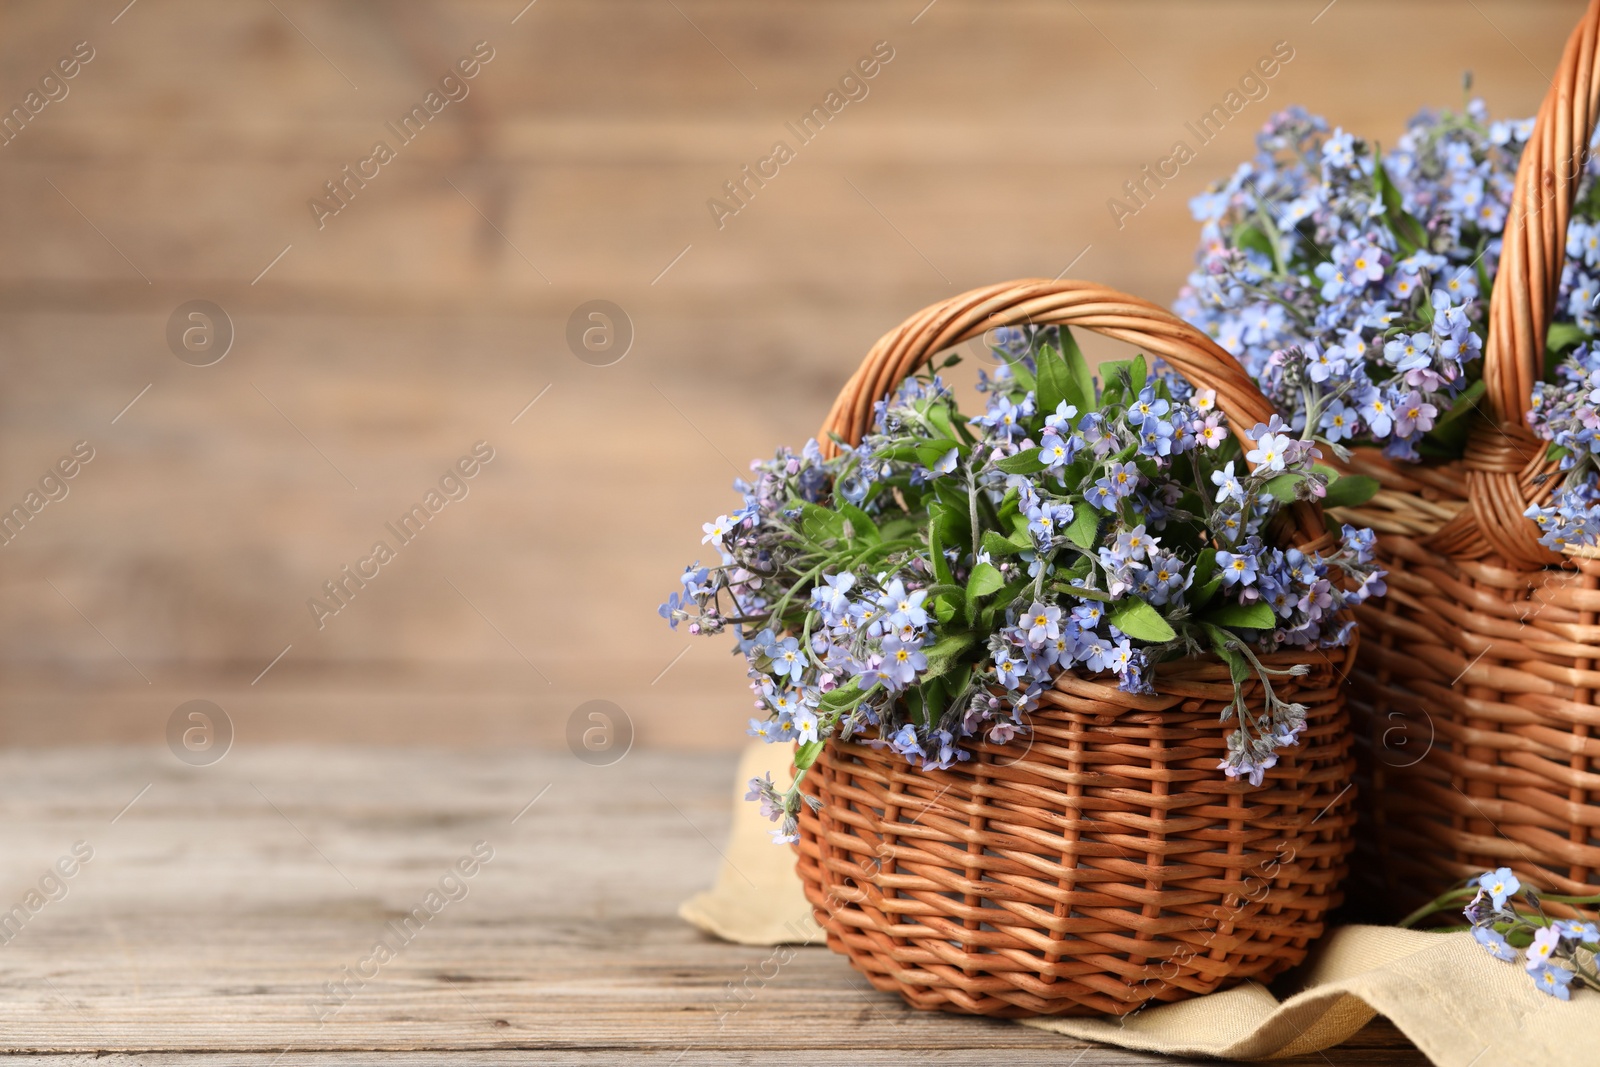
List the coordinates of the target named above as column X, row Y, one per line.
column 218, row 903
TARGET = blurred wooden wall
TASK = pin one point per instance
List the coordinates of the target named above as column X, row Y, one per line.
column 429, row 312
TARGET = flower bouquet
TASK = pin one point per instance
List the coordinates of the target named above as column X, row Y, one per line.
column 1018, row 649
column 1425, row 312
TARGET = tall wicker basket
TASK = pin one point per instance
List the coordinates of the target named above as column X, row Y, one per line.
column 1106, row 863
column 1473, row 694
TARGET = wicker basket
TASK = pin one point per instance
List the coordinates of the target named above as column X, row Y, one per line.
column 1473, row 693
column 1105, row 863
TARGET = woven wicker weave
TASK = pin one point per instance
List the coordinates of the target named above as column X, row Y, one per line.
column 1473, row 693
column 1106, row 862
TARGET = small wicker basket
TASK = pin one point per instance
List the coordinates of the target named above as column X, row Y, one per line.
column 1105, row 862
column 1474, row 691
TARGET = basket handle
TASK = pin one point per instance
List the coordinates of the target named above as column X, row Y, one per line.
column 1506, row 468
column 1534, row 243
column 1040, row 302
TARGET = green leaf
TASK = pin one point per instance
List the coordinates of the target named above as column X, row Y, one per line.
column 1055, row 380
column 1206, row 581
column 1081, row 592
column 1563, row 335
column 946, row 651
column 983, row 580
column 1465, row 402
column 820, row 523
column 944, row 609
column 933, row 700
column 1202, row 592
column 950, row 521
column 1349, row 490
column 1003, row 600
column 1283, row 486
column 1115, row 378
column 1020, row 534
column 1078, row 571
column 1138, row 619
column 896, row 527
column 1407, row 230
column 956, row 683
column 996, row 545
column 1084, row 529
column 1254, row 238
column 1257, row 616
column 807, row 754
column 1019, row 369
column 931, row 452
column 939, row 415
column 1221, row 643
column 843, row 696
column 1138, row 371
column 1026, row 462
column 1081, row 393
column 941, row 566
column 862, row 528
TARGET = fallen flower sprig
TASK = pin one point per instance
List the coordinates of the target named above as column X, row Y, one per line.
column 1557, row 953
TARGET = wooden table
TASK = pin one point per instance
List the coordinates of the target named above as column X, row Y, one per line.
column 220, row 901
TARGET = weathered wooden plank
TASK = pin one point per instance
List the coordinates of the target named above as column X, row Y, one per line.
column 217, row 906
column 823, row 1057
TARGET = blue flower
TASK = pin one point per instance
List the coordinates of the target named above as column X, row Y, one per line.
column 787, row 660
column 1156, row 438
column 1556, row 981
column 1007, row 669
column 1495, row 942
column 1414, row 415
column 717, row 530
column 832, row 598
column 1237, row 568
column 1045, row 519
column 904, row 741
column 902, row 660
column 763, row 790
column 1133, row 544
column 805, row 724
column 1338, row 423
column 1500, row 883
column 1272, row 451
column 1379, row 413
column 1043, row 622
column 1056, row 453
column 1543, row 947
column 672, row 610
column 1121, row 478
column 1147, row 407
column 1228, row 485
column 1096, row 653
column 1408, row 352
column 1060, row 423
column 694, row 582
column 902, row 606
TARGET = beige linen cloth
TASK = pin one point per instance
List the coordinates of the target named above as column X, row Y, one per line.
column 1459, row 1005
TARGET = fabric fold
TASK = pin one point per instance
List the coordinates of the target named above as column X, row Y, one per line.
column 1458, row 1004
